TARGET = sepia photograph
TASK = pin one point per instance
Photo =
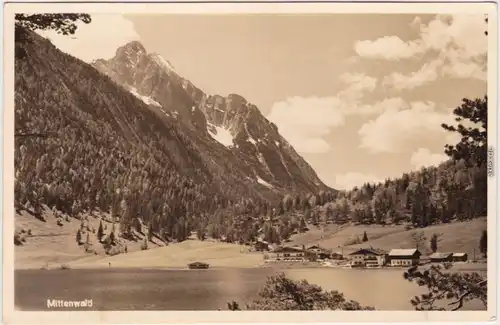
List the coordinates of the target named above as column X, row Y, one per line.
column 250, row 161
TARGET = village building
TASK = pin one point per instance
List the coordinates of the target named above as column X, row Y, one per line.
column 441, row 257
column 288, row 254
column 459, row 257
column 319, row 252
column 336, row 256
column 404, row 257
column 367, row 257
column 314, row 248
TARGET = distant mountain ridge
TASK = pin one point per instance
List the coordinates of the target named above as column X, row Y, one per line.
column 231, row 121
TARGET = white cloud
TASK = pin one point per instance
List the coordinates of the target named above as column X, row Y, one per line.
column 394, row 103
column 426, row 74
column 435, row 34
column 457, row 40
column 349, row 99
column 416, row 22
column 423, row 157
column 304, row 121
column 453, row 138
column 460, row 31
column 388, row 48
column 350, row 180
column 98, row 39
column 358, row 85
column 394, row 129
column 460, row 66
column 465, row 70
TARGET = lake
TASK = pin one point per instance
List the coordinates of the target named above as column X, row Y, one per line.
column 156, row 289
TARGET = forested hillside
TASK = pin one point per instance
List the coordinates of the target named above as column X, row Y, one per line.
column 87, row 146
column 450, row 191
column 109, row 152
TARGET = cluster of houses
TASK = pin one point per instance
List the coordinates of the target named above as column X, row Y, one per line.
column 364, row 257
column 371, row 257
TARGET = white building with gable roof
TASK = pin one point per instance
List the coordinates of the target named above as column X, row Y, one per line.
column 404, row 257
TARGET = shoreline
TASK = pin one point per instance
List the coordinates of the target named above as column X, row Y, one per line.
column 479, row 267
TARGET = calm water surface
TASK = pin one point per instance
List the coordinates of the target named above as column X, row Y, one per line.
column 133, row 289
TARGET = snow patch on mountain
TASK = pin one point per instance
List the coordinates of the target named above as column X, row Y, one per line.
column 263, row 162
column 263, row 182
column 261, row 159
column 221, row 135
column 164, row 112
column 145, row 99
column 283, row 160
column 252, row 141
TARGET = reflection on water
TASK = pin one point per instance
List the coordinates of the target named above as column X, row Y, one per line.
column 133, row 289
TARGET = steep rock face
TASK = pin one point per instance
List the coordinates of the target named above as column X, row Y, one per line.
column 258, row 141
column 150, row 76
column 231, row 121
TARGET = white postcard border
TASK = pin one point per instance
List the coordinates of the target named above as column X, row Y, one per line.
column 12, row 316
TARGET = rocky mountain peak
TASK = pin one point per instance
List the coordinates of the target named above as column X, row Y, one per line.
column 229, row 121
column 131, row 53
column 131, row 48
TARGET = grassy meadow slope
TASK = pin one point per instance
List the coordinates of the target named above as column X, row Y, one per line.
column 333, row 235
column 50, row 246
column 456, row 237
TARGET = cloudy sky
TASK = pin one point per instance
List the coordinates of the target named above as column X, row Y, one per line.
column 360, row 96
